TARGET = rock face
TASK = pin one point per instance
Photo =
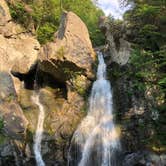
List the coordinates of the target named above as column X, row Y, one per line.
column 134, row 103
column 116, row 52
column 18, row 49
column 60, row 72
column 71, row 49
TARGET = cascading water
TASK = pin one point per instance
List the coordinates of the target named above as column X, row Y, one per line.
column 96, row 140
column 39, row 131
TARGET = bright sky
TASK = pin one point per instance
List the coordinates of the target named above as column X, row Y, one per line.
column 111, row 7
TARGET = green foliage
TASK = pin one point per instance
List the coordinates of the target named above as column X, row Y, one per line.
column 45, row 16
column 18, row 13
column 146, row 21
column 1, row 123
column 45, row 32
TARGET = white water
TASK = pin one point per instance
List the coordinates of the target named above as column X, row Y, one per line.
column 39, row 131
column 97, row 130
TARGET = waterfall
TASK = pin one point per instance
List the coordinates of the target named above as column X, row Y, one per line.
column 39, row 131
column 96, row 138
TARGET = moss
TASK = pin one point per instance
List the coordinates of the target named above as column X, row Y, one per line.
column 45, row 32
column 10, row 97
column 18, row 13
column 32, row 117
column 3, row 139
column 29, row 136
column 79, row 83
column 24, row 98
column 60, row 53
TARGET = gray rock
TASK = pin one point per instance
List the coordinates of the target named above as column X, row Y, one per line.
column 118, row 52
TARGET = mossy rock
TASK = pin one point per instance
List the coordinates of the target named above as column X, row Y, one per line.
column 25, row 99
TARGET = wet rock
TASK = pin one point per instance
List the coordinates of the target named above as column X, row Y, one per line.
column 6, row 150
column 132, row 159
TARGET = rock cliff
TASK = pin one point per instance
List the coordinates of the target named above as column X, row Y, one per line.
column 60, row 72
column 134, row 104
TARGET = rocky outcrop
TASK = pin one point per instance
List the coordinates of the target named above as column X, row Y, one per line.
column 116, row 51
column 134, row 103
column 18, row 53
column 59, row 71
column 18, row 49
column 71, row 50
column 14, row 121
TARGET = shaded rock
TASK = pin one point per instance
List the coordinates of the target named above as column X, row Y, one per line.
column 61, row 119
column 6, row 150
column 144, row 158
column 61, row 77
column 15, row 123
column 7, row 90
column 24, row 98
column 132, row 159
column 71, row 50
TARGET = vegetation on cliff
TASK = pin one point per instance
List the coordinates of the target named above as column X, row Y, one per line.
column 147, row 20
column 43, row 16
column 144, row 26
column 146, row 23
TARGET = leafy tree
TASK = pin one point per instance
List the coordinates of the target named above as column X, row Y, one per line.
column 146, row 21
column 45, row 16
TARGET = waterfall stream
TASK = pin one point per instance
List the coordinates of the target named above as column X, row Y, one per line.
column 96, row 138
column 39, row 131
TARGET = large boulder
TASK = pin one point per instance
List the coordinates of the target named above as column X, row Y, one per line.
column 71, row 50
column 18, row 49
